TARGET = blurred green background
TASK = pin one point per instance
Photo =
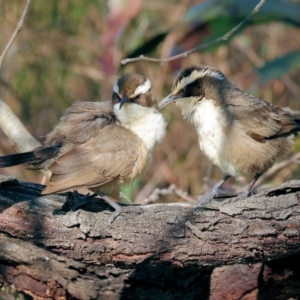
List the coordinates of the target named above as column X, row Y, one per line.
column 71, row 50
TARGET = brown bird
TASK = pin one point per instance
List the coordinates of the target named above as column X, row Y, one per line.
column 239, row 133
column 100, row 145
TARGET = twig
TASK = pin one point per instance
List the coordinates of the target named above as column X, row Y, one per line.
column 292, row 112
column 124, row 197
column 171, row 190
column 199, row 47
column 16, row 132
column 17, row 30
column 293, row 159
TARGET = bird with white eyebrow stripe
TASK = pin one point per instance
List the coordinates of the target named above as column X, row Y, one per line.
column 100, row 145
column 239, row 133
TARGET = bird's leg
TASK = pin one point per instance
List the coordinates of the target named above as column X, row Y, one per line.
column 118, row 208
column 249, row 191
column 79, row 201
column 214, row 191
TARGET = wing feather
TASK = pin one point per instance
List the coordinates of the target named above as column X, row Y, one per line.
column 111, row 154
column 260, row 119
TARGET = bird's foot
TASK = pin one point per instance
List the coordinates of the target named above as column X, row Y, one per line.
column 118, row 208
column 79, row 201
column 244, row 195
column 213, row 193
column 124, row 209
column 207, row 198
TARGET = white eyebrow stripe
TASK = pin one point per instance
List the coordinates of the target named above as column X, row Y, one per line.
column 116, row 88
column 195, row 75
column 141, row 89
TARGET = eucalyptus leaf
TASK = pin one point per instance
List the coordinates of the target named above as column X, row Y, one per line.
column 222, row 16
column 279, row 66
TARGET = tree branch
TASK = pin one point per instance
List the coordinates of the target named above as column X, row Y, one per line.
column 17, row 30
column 199, row 47
column 86, row 258
column 16, row 132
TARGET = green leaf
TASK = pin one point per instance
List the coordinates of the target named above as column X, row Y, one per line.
column 280, row 10
column 221, row 16
column 279, row 66
column 148, row 46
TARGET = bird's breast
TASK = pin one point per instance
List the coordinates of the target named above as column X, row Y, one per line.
column 146, row 122
column 211, row 126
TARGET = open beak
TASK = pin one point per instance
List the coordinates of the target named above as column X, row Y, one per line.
column 167, row 100
column 123, row 101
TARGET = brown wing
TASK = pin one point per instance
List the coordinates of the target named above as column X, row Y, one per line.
column 82, row 121
column 109, row 155
column 261, row 120
column 79, row 123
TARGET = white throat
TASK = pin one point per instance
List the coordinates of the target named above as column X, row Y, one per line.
column 188, row 107
column 210, row 124
column 146, row 122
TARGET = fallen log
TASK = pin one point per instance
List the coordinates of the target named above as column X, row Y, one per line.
column 169, row 250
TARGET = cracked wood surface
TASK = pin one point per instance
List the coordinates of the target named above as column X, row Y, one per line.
column 48, row 251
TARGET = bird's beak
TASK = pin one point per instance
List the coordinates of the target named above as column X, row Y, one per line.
column 123, row 101
column 167, row 100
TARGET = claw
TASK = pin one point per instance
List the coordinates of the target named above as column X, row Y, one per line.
column 118, row 209
column 124, row 209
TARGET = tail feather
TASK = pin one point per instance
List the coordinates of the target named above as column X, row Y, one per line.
column 297, row 121
column 16, row 159
column 35, row 157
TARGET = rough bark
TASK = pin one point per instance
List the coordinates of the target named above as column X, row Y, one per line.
column 169, row 251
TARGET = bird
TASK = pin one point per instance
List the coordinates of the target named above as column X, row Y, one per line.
column 100, row 146
column 241, row 134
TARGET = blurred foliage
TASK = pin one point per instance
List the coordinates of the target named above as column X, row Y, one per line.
column 71, row 50
column 279, row 66
column 221, row 16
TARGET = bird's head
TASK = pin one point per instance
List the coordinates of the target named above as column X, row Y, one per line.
column 192, row 85
column 133, row 89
